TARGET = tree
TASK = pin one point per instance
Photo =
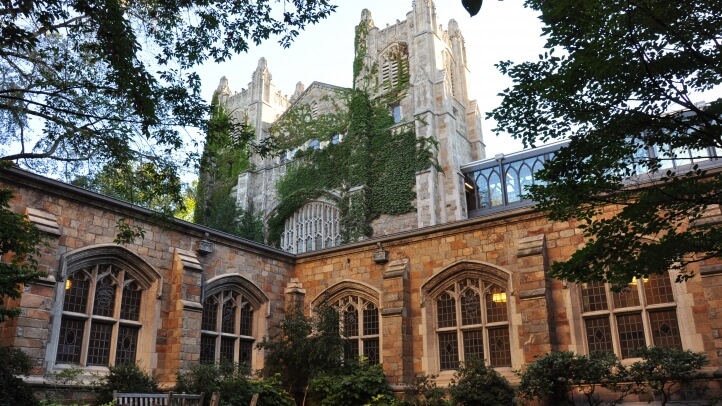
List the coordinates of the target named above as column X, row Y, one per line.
column 621, row 80
column 78, row 88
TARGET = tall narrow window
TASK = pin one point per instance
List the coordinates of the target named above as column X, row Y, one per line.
column 360, row 320
column 227, row 328
column 100, row 321
column 642, row 314
column 472, row 321
column 395, row 66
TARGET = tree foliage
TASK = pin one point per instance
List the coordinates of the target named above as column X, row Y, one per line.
column 666, row 370
column 621, row 80
column 304, row 347
column 19, row 242
column 476, row 384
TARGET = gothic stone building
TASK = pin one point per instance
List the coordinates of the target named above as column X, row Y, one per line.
column 464, row 274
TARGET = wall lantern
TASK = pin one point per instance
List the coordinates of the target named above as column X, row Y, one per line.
column 68, row 284
column 634, row 280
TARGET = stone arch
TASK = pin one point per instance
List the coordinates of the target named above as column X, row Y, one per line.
column 144, row 273
column 344, row 288
column 463, row 269
column 248, row 289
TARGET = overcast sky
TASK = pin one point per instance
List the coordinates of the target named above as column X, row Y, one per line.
column 503, row 30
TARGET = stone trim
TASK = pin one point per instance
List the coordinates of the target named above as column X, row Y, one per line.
column 462, row 270
column 393, row 312
column 248, row 289
column 710, row 270
column 533, row 245
column 532, row 294
column 344, row 288
column 192, row 306
column 397, row 269
column 44, row 221
column 189, row 260
column 85, row 257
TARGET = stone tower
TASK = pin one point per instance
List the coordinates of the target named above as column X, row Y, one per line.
column 431, row 63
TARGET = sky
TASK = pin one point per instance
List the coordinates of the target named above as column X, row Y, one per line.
column 503, row 30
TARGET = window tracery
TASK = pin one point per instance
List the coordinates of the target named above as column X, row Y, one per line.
column 360, row 325
column 642, row 314
column 227, row 333
column 313, row 227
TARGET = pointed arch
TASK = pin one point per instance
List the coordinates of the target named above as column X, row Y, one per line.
column 248, row 289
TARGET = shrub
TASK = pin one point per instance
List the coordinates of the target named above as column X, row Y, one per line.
column 125, row 378
column 666, row 370
column 13, row 390
column 424, row 392
column 233, row 385
column 357, row 383
column 475, row 384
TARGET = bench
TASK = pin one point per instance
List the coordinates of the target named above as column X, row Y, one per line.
column 158, row 399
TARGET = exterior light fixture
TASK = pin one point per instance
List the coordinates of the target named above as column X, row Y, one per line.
column 498, row 297
column 634, row 280
column 68, row 284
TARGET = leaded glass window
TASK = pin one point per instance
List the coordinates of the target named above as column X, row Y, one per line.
column 472, row 321
column 314, row 226
column 642, row 314
column 100, row 321
column 227, row 328
column 360, row 322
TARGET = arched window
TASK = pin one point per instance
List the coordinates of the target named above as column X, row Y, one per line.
column 360, row 321
column 395, row 66
column 468, row 316
column 103, row 298
column 229, row 325
column 358, row 309
column 642, row 314
column 314, row 226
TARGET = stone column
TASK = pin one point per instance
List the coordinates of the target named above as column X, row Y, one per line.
column 294, row 294
column 183, row 326
column 536, row 335
column 396, row 347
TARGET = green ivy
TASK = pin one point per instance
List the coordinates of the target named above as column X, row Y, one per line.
column 372, row 170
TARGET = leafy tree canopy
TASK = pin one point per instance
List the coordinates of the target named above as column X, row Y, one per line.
column 621, row 81
column 105, row 80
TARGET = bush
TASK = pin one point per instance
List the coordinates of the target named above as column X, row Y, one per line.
column 357, row 383
column 125, row 378
column 233, row 385
column 475, row 384
column 424, row 392
column 13, row 390
column 666, row 370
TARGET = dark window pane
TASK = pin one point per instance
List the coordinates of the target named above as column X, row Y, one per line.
column 446, row 310
column 352, row 351
column 371, row 350
column 473, row 345
column 210, row 315
column 71, row 339
column 228, row 322
column 104, row 304
column 130, row 304
column 658, row 289
column 470, row 308
column 245, row 353
column 208, row 349
column 665, row 331
column 99, row 344
column 627, row 297
column 599, row 334
column 227, row 349
column 631, row 333
column 499, row 347
column 127, row 345
column 76, row 298
column 371, row 320
column 350, row 322
column 594, row 296
column 496, row 305
column 246, row 320
column 448, row 350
